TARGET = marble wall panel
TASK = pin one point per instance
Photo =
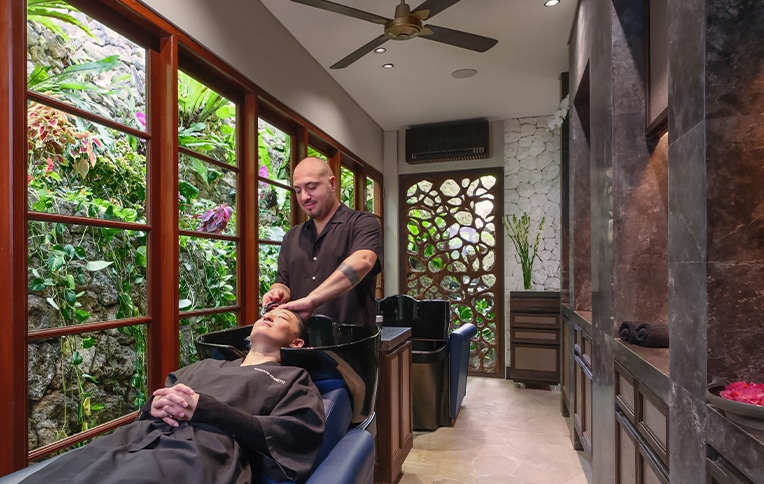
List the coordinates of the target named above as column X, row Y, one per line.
column 580, row 180
column 735, row 323
column 687, row 451
column 640, row 222
column 734, row 51
column 687, row 327
column 687, row 196
column 686, row 51
column 735, row 199
column 628, row 39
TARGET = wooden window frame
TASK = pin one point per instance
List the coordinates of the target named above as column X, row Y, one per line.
column 167, row 49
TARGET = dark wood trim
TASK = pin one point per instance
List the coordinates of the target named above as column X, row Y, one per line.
column 162, row 173
column 208, row 235
column 249, row 214
column 13, row 236
column 93, row 222
column 207, row 311
column 62, row 444
column 46, row 333
column 199, row 156
column 74, row 111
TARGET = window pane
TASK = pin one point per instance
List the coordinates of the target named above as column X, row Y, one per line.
column 275, row 212
column 85, row 64
column 206, row 120
column 371, row 201
column 207, row 197
column 207, row 273
column 191, row 328
column 81, row 274
column 269, row 261
column 317, row 154
column 273, row 153
column 76, row 167
column 79, row 381
column 347, row 188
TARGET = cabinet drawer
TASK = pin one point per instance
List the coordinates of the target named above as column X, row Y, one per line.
column 535, row 336
column 537, row 358
column 652, row 422
column 548, row 321
column 625, row 392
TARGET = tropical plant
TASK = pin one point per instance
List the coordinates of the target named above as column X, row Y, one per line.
column 44, row 11
column 526, row 250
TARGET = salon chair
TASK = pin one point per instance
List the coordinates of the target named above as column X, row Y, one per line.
column 440, row 361
column 342, row 361
column 344, row 368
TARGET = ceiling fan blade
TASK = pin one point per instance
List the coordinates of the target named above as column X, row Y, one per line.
column 344, row 10
column 435, row 6
column 360, row 52
column 458, row 38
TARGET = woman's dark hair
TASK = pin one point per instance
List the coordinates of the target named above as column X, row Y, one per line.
column 302, row 328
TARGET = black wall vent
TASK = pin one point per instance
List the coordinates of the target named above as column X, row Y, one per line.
column 460, row 140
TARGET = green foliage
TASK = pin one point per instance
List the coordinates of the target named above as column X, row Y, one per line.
column 44, row 11
column 206, row 120
column 347, row 187
column 519, row 232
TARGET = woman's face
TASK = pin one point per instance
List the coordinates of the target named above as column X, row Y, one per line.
column 280, row 326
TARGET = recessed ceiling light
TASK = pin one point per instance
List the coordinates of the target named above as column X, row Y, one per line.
column 387, row 66
column 463, row 73
column 380, row 50
column 551, row 3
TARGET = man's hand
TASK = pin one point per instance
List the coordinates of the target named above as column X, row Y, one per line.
column 174, row 404
column 304, row 307
column 278, row 293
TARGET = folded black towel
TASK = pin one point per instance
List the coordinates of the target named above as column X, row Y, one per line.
column 654, row 335
column 628, row 331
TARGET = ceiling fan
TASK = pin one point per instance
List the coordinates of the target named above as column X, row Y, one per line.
column 405, row 25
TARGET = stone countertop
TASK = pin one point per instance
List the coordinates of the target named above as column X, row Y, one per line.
column 650, row 365
column 392, row 337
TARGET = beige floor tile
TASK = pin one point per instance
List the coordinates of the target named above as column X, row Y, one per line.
column 504, row 434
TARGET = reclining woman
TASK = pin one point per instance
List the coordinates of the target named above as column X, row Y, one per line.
column 214, row 422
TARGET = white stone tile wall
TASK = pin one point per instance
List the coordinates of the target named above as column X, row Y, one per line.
column 532, row 185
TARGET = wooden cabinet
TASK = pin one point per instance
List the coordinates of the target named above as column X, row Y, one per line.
column 582, row 389
column 395, row 435
column 642, row 435
column 566, row 362
column 534, row 337
column 720, row 471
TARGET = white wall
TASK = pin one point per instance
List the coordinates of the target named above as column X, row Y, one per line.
column 248, row 37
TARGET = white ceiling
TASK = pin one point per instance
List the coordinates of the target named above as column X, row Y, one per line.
column 518, row 77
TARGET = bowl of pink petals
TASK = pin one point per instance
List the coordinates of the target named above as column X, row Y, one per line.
column 742, row 402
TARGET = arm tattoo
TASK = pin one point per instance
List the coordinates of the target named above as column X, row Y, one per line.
column 350, row 273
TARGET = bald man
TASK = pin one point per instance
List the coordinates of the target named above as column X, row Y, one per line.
column 328, row 264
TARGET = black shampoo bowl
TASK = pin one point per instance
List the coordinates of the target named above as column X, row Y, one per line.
column 332, row 351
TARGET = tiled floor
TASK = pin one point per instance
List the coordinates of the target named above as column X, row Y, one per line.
column 504, row 434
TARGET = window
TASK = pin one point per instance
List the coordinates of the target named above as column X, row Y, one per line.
column 274, row 197
column 207, row 219
column 130, row 228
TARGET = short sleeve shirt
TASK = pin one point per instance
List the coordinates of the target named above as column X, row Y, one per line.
column 306, row 260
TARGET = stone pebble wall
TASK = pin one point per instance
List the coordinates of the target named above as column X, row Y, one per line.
column 532, row 185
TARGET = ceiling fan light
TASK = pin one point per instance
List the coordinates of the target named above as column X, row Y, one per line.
column 551, row 3
column 387, row 66
column 380, row 50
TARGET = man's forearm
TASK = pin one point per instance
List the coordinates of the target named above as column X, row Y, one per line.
column 350, row 272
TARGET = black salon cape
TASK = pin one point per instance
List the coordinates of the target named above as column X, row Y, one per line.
column 279, row 401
